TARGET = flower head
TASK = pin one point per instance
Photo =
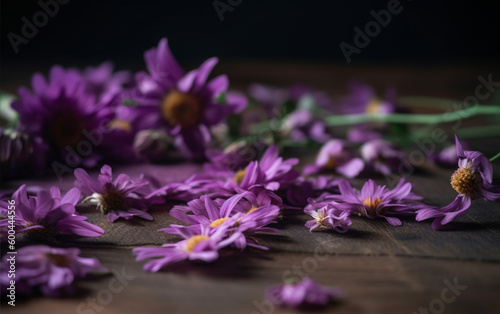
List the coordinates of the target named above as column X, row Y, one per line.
column 301, row 125
column 306, row 292
column 471, row 181
column 334, row 156
column 122, row 197
column 47, row 214
column 62, row 114
column 381, row 156
column 201, row 245
column 328, row 215
column 184, row 104
column 378, row 201
column 47, row 269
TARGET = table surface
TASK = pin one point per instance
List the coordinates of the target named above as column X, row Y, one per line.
column 382, row 269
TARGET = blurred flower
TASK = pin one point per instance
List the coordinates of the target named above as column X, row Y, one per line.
column 63, row 115
column 334, row 156
column 233, row 158
column 447, row 157
column 381, row 156
column 362, row 99
column 186, row 105
column 104, row 83
column 301, row 125
column 202, row 246
column 362, row 133
column 47, row 269
column 47, row 214
column 270, row 98
column 152, row 145
column 304, row 293
column 375, row 201
column 122, row 197
column 472, row 180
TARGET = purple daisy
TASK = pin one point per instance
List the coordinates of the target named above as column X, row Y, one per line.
column 122, row 197
column 104, row 83
column 47, row 269
column 201, row 245
column 270, row 98
column 472, row 180
column 184, row 104
column 337, row 157
column 381, row 156
column 63, row 115
column 47, row 214
column 362, row 133
column 328, row 215
column 375, row 201
column 362, row 99
column 249, row 213
column 304, row 293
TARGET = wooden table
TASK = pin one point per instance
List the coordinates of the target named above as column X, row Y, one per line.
column 382, row 269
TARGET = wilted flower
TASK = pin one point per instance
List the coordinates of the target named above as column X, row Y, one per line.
column 47, row 269
column 304, row 293
column 328, row 215
column 122, row 197
column 47, row 214
column 472, row 180
column 334, row 156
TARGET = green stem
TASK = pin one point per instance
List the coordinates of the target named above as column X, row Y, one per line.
column 412, row 118
column 494, row 157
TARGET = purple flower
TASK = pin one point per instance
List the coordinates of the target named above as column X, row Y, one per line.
column 334, row 156
column 362, row 133
column 186, row 105
column 47, row 214
column 362, row 99
column 301, row 125
column 104, row 83
column 381, row 156
column 321, row 98
column 246, row 212
column 122, row 197
column 270, row 98
column 47, row 269
column 201, row 245
column 471, row 180
column 447, row 157
column 63, row 115
column 328, row 215
column 375, row 201
column 304, row 293
column 233, row 158
column 152, row 145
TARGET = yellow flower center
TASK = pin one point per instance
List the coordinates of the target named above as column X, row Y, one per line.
column 372, row 204
column 194, row 240
column 465, row 181
column 181, row 109
column 218, row 222
column 238, row 177
column 111, row 200
column 252, row 210
column 120, row 125
column 331, row 164
column 373, row 106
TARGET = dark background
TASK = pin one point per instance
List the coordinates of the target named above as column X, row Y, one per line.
column 89, row 32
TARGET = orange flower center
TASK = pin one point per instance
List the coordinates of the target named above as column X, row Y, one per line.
column 373, row 106
column 194, row 240
column 120, row 125
column 331, row 164
column 182, row 109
